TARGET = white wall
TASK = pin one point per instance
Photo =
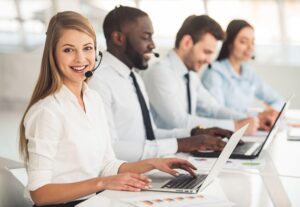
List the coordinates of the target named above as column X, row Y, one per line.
column 19, row 73
column 284, row 79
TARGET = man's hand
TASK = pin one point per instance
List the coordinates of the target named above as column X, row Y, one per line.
column 200, row 142
column 214, row 131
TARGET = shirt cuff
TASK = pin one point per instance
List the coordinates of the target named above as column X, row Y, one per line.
column 180, row 133
column 37, row 179
column 229, row 125
column 112, row 168
column 167, row 147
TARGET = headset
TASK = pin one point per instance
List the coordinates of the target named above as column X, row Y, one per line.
column 98, row 59
column 98, row 54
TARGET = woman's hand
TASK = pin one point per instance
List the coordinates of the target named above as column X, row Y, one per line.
column 267, row 119
column 169, row 164
column 125, row 181
column 253, row 125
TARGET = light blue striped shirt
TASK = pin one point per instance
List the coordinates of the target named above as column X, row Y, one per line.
column 235, row 91
column 167, row 90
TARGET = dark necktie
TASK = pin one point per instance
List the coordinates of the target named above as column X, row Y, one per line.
column 144, row 108
column 188, row 90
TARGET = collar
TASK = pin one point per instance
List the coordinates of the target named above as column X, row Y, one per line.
column 232, row 73
column 65, row 93
column 178, row 65
column 116, row 64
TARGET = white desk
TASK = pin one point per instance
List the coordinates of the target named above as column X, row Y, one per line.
column 245, row 190
column 277, row 184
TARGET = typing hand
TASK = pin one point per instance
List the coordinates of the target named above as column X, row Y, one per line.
column 214, row 131
column 126, row 182
column 169, row 164
column 253, row 125
column 199, row 143
column 267, row 119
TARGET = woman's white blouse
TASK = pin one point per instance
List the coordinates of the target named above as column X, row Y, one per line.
column 65, row 143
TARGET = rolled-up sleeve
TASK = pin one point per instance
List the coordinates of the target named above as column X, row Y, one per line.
column 159, row 148
column 111, row 164
column 265, row 93
column 42, row 130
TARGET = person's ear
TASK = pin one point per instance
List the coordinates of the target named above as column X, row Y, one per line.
column 186, row 42
column 230, row 48
column 118, row 38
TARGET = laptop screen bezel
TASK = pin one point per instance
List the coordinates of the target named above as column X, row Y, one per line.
column 273, row 127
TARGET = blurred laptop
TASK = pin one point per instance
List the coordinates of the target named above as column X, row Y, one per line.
column 250, row 150
column 294, row 134
column 185, row 183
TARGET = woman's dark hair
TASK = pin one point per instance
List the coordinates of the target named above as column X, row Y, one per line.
column 197, row 26
column 233, row 28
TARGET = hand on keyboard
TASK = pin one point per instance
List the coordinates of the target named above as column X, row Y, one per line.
column 169, row 164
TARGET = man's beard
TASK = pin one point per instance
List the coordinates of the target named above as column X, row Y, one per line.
column 135, row 57
column 188, row 61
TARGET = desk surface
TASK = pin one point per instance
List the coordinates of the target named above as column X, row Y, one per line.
column 276, row 184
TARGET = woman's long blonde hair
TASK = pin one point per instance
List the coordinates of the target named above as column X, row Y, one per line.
column 50, row 80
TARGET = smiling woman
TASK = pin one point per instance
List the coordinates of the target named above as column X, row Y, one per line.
column 64, row 130
column 75, row 55
column 232, row 74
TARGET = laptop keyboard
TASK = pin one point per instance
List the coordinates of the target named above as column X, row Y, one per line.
column 248, row 148
column 184, row 181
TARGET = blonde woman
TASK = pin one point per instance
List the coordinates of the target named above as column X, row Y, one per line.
column 64, row 136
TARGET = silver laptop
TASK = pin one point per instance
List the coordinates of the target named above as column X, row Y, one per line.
column 185, row 183
column 251, row 149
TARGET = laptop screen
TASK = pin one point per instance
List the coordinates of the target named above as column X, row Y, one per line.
column 273, row 130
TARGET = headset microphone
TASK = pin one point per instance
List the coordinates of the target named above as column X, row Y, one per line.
column 156, row 54
column 90, row 73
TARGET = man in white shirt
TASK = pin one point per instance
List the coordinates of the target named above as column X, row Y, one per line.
column 173, row 83
column 128, row 32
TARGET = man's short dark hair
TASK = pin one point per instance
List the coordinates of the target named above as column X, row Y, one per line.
column 197, row 26
column 118, row 17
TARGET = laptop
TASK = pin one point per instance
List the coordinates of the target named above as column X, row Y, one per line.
column 293, row 134
column 185, row 183
column 249, row 150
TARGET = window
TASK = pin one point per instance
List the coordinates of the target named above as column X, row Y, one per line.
column 292, row 19
column 263, row 15
column 167, row 17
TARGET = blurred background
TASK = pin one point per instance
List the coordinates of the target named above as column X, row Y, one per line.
column 22, row 33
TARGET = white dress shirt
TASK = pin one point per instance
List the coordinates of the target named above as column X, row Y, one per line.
column 66, row 144
column 113, row 82
column 166, row 87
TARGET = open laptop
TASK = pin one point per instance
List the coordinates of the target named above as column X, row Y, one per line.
column 249, row 150
column 185, row 183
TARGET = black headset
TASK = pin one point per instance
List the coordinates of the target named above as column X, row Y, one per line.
column 98, row 59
